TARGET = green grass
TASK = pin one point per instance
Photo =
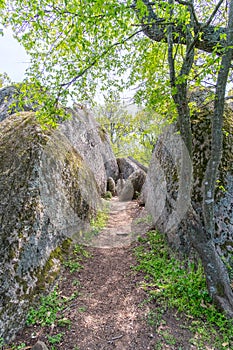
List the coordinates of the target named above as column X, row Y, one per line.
column 181, row 285
column 46, row 313
column 77, row 255
column 55, row 339
column 100, row 220
column 48, row 309
column 72, row 265
column 107, row 195
column 15, row 347
column 97, row 223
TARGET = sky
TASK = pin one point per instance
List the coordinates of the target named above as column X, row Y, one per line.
column 14, row 61
column 13, row 58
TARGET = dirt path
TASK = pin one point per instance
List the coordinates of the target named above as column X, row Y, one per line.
column 108, row 309
column 109, row 314
column 126, row 222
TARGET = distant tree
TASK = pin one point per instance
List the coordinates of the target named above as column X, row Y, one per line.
column 132, row 133
column 115, row 118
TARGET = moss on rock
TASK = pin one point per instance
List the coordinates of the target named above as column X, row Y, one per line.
column 47, row 196
column 165, row 181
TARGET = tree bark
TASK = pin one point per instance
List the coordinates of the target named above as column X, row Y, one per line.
column 217, row 278
column 208, row 36
column 179, row 90
column 211, row 175
column 179, row 83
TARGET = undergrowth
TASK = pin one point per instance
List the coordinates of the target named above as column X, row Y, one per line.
column 73, row 263
column 50, row 310
column 98, row 222
column 51, row 305
column 174, row 284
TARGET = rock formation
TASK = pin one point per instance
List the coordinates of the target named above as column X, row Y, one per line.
column 87, row 136
column 39, row 346
column 133, row 186
column 126, row 167
column 172, row 177
column 111, row 186
column 9, row 103
column 51, row 182
column 92, row 142
column 47, row 196
column 50, row 187
column 140, row 165
column 132, row 175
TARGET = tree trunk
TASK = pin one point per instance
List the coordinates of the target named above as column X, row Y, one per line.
column 211, row 175
column 217, row 278
column 200, row 236
column 179, row 90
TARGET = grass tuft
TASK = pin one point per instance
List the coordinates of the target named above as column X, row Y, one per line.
column 177, row 284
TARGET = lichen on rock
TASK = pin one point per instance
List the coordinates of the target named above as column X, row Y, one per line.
column 92, row 143
column 174, row 181
column 48, row 194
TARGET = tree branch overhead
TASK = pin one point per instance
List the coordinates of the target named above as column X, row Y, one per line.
column 209, row 37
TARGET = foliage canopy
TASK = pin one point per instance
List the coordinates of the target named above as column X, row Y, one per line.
column 79, row 46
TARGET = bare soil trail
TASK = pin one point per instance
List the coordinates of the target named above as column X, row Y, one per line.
column 109, row 309
column 110, row 313
column 126, row 222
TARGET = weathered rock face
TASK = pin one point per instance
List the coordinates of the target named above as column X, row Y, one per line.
column 224, row 187
column 39, row 346
column 133, row 186
column 119, row 186
column 47, row 195
column 168, row 185
column 127, row 167
column 92, row 142
column 86, row 135
column 111, row 186
column 172, row 177
column 9, row 104
column 140, row 165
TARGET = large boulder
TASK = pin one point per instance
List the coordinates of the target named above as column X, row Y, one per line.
column 174, row 182
column 39, row 346
column 92, row 142
column 201, row 127
column 111, row 186
column 119, row 186
column 168, row 184
column 86, row 135
column 140, row 165
column 47, row 196
column 127, row 166
column 133, row 186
